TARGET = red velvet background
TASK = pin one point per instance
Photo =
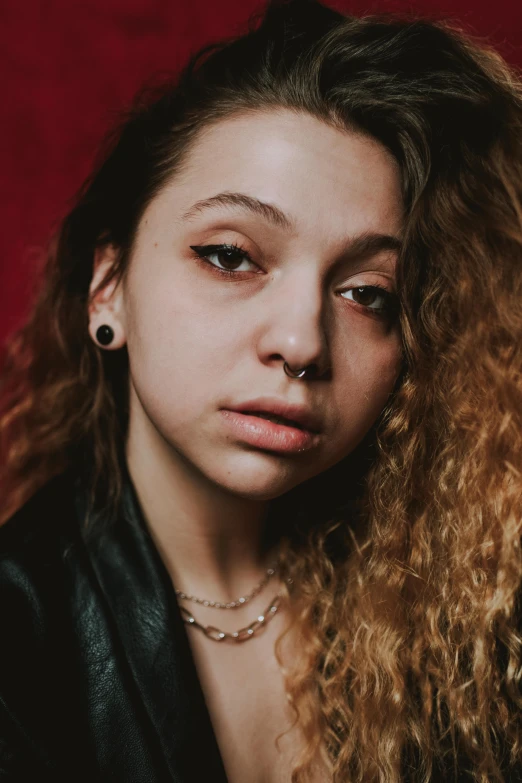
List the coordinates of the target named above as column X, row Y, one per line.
column 69, row 65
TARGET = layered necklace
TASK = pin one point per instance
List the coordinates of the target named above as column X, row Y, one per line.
column 242, row 634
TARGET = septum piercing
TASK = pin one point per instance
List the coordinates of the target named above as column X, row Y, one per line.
column 294, row 373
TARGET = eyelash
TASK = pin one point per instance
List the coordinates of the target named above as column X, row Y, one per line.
column 203, row 251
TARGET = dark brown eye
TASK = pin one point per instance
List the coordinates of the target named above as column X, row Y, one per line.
column 366, row 296
column 373, row 297
column 228, row 257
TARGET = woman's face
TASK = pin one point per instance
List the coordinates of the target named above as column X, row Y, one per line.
column 317, row 214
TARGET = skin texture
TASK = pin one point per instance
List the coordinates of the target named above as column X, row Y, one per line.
column 199, row 341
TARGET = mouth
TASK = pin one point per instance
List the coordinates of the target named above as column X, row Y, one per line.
column 303, row 417
column 269, row 431
column 276, row 419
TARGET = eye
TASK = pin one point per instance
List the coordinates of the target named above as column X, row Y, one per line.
column 225, row 258
column 373, row 297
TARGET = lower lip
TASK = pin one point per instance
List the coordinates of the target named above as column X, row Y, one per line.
column 267, row 434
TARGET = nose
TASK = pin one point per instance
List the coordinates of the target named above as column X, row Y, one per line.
column 295, row 326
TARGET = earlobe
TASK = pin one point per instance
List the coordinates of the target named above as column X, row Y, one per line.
column 106, row 306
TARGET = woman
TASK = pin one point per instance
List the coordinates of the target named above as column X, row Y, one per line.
column 262, row 431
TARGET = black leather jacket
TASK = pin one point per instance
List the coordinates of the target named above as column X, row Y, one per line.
column 97, row 679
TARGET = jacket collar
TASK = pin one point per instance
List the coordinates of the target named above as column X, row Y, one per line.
column 141, row 598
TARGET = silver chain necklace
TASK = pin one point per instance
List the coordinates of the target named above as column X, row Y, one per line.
column 241, row 601
column 242, row 634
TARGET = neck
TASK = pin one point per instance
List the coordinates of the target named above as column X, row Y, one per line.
column 214, row 544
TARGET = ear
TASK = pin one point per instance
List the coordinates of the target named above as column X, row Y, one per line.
column 106, row 308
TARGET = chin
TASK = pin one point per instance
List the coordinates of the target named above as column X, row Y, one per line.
column 257, row 482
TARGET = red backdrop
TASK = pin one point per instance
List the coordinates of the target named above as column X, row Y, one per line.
column 69, row 65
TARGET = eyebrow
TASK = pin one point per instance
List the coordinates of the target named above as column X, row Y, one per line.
column 370, row 244
column 269, row 212
column 364, row 245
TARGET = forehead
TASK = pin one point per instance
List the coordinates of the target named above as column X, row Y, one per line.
column 325, row 179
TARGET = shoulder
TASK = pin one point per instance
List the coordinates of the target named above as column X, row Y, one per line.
column 41, row 561
column 37, row 619
column 40, row 528
column 33, row 544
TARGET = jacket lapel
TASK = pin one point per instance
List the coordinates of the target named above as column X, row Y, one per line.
column 142, row 601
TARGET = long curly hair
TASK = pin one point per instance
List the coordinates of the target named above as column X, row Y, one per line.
column 405, row 559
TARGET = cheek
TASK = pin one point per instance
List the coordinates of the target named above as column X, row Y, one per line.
column 172, row 341
column 383, row 372
column 367, row 384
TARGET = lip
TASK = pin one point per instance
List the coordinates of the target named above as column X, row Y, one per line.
column 267, row 434
column 241, row 420
column 302, row 415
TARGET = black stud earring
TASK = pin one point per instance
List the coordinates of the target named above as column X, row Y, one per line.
column 105, row 334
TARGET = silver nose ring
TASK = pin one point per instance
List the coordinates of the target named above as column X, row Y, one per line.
column 294, row 373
